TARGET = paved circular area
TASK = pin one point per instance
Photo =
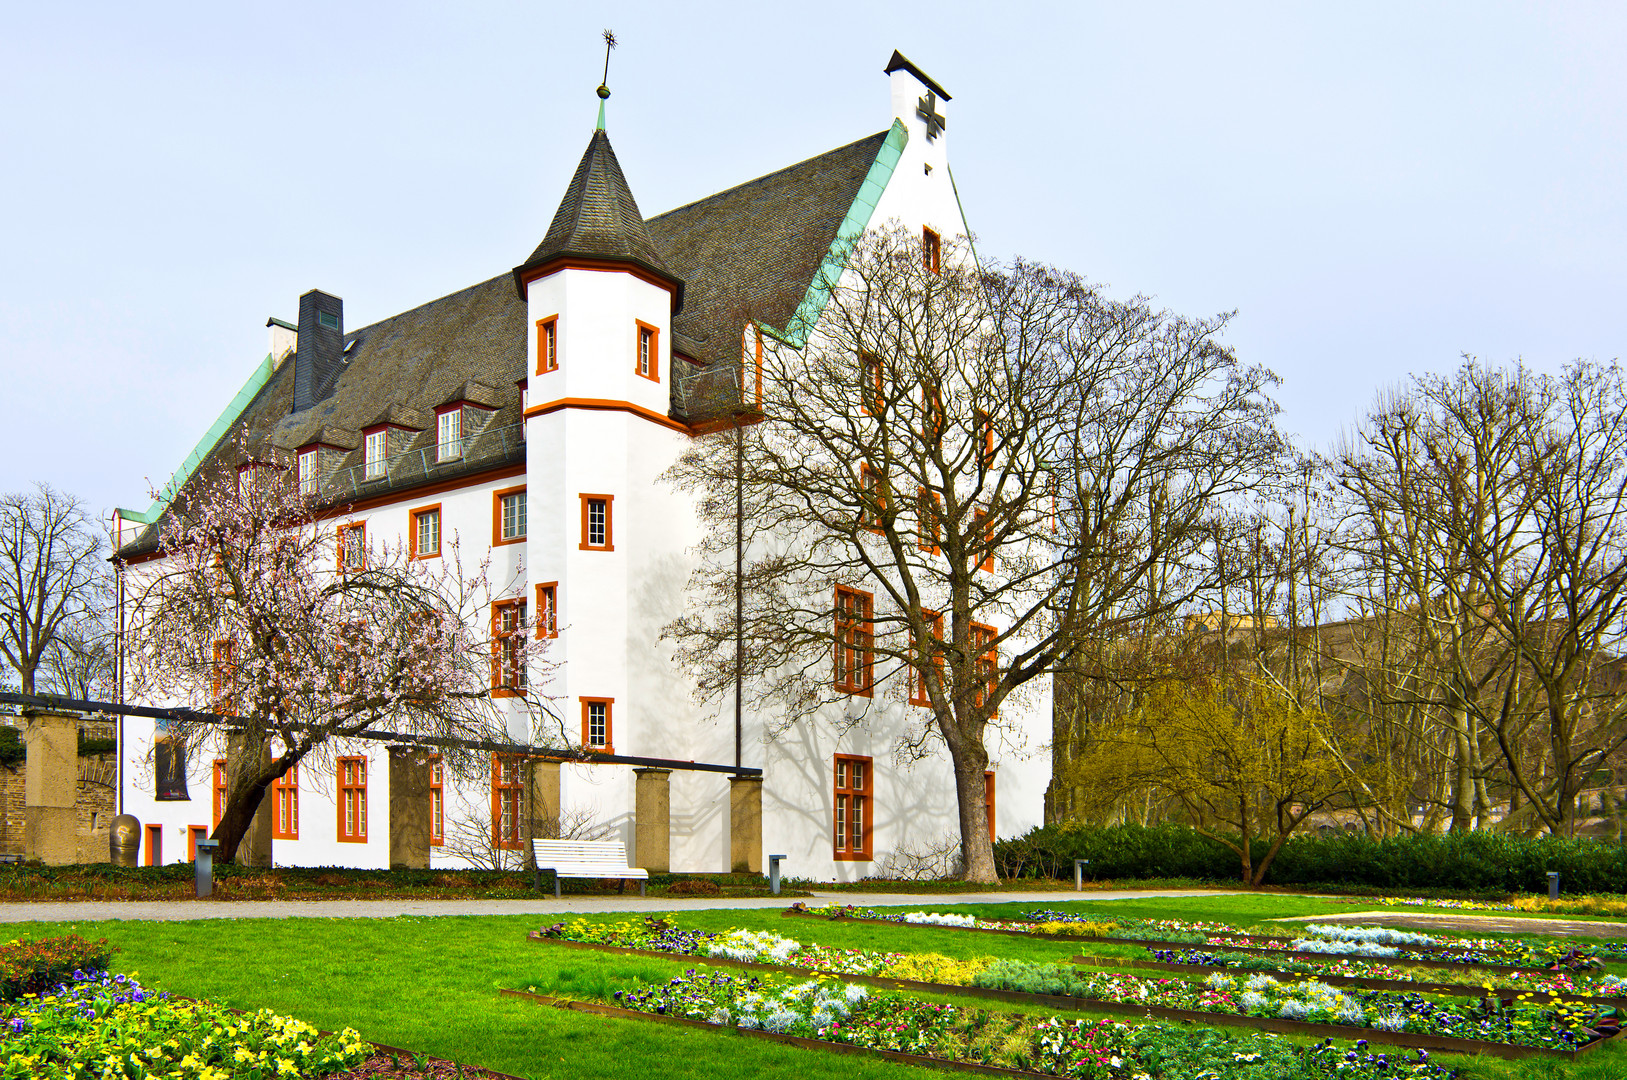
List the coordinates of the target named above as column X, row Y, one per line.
column 174, row 910
column 1485, row 924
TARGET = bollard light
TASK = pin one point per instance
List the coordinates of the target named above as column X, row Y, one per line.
column 204, row 869
column 1553, row 884
column 774, row 874
column 1079, row 874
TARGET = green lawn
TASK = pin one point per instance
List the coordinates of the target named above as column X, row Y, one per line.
column 430, row 984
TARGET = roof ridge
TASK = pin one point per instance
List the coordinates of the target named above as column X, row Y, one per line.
column 427, row 303
column 766, row 176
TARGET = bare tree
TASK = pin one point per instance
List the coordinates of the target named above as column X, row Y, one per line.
column 259, row 608
column 964, row 478
column 52, row 573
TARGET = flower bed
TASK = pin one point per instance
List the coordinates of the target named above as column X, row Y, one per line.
column 1609, row 990
column 31, row 967
column 111, row 1027
column 814, row 1012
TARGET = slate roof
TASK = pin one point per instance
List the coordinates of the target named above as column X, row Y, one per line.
column 598, row 217
column 748, row 253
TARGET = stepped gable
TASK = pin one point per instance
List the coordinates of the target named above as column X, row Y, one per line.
column 750, row 253
column 598, row 219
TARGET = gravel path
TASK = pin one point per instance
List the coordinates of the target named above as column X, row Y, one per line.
column 178, row 910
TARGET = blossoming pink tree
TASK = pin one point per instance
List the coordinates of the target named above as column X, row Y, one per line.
column 266, row 608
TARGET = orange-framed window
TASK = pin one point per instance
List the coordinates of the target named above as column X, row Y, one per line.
column 872, row 497
column 424, row 532
column 285, row 803
column 194, row 833
column 929, row 512
column 855, row 641
column 985, row 535
column 437, row 803
column 548, row 609
column 853, row 795
column 597, row 723
column 223, row 677
column 351, row 547
column 218, row 787
column 933, row 418
column 983, row 426
column 352, row 800
column 988, row 800
column 547, row 344
column 597, row 534
column 985, row 662
column 647, row 352
column 872, row 391
column 922, row 653
column 505, row 802
column 507, row 648
column 508, row 516
column 931, row 251
column 155, row 845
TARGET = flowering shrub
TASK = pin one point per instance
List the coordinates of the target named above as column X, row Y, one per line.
column 111, row 1027
column 29, row 967
column 1382, row 935
column 1547, row 982
column 1078, row 1049
column 752, row 946
column 928, row 918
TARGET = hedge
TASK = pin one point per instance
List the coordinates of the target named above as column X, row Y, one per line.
column 1465, row 861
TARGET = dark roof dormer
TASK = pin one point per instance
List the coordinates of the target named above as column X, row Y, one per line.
column 598, row 221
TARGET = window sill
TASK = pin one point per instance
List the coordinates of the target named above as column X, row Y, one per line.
column 596, row 547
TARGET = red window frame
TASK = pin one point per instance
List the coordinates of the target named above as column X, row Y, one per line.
column 918, row 688
column 983, row 424
column 872, row 496
column 984, row 524
column 351, row 819
column 505, row 802
column 497, row 517
column 285, row 805
column 413, row 551
column 853, row 808
column 988, row 800
column 855, row 656
column 929, row 509
column 222, row 674
column 547, row 344
column 507, row 631
column 587, row 732
column 194, row 833
column 588, row 498
column 548, row 609
column 217, row 802
column 437, row 803
column 751, row 351
column 647, row 351
column 872, row 390
column 931, row 251
column 342, row 541
column 985, row 662
column 933, row 418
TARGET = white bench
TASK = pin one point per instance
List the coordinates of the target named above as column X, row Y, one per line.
column 585, row 859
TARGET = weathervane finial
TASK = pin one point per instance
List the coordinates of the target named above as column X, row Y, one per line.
column 604, row 87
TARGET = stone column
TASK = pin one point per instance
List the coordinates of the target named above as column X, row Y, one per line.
column 409, row 808
column 652, row 820
column 50, row 788
column 746, row 824
column 255, row 847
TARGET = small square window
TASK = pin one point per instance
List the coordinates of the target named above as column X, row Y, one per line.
column 352, row 547
column 596, row 723
column 597, row 528
column 425, row 539
column 508, row 510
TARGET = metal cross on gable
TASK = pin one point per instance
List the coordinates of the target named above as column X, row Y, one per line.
column 927, row 110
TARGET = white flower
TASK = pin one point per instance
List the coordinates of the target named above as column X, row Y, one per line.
column 1218, row 981
column 1261, row 981
column 929, row 918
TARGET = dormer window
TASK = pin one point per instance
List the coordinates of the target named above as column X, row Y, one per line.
column 449, row 435
column 307, row 471
column 374, row 454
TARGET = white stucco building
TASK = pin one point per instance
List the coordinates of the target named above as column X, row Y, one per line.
column 566, row 387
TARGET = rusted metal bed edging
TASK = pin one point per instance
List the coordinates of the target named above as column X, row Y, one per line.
column 1410, row 1040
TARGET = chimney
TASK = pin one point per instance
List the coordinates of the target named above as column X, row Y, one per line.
column 319, row 360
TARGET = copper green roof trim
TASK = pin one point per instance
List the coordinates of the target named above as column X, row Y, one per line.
column 858, row 218
column 217, row 430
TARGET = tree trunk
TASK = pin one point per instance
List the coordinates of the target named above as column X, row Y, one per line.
column 976, row 849
column 1463, row 787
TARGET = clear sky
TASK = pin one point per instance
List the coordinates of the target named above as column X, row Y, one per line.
column 1375, row 188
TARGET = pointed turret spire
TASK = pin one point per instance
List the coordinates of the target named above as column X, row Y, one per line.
column 604, row 84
